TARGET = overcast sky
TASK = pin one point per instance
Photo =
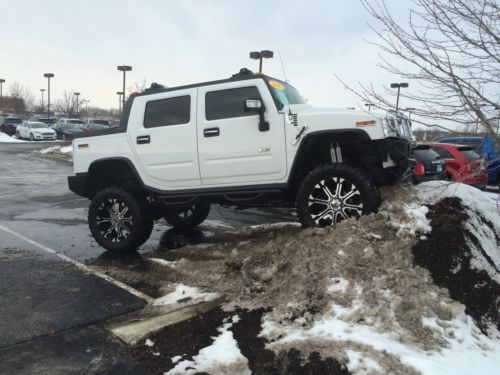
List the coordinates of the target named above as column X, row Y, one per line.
column 189, row 41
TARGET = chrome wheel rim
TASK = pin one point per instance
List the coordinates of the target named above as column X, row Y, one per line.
column 333, row 200
column 114, row 220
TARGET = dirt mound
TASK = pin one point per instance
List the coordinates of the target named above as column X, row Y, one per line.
column 447, row 254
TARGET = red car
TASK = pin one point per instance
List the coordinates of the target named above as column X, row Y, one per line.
column 463, row 164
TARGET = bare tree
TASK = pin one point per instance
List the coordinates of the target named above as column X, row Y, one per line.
column 66, row 105
column 452, row 49
column 138, row 86
column 19, row 91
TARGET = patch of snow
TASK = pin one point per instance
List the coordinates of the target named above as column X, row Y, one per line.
column 163, row 262
column 4, row 138
column 149, row 343
column 184, row 291
column 416, row 220
column 339, row 284
column 68, row 150
column 176, row 359
column 222, row 357
column 156, row 354
column 360, row 363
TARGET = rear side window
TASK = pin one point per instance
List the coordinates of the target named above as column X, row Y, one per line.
column 229, row 103
column 166, row 112
column 425, row 154
column 444, row 153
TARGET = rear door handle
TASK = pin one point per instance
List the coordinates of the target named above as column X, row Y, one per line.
column 211, row 132
column 143, row 139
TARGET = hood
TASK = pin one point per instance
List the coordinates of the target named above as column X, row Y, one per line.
column 306, row 109
column 72, row 131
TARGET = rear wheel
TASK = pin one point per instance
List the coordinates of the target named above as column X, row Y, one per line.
column 118, row 220
column 335, row 192
column 188, row 216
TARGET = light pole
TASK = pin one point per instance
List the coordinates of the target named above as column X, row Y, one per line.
column 48, row 76
column 1, row 93
column 265, row 54
column 77, row 94
column 86, row 101
column 399, row 86
column 369, row 106
column 124, row 69
column 42, row 91
column 119, row 93
column 498, row 119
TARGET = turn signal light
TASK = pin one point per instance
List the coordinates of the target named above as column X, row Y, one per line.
column 365, row 123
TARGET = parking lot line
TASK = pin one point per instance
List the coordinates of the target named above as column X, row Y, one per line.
column 80, row 266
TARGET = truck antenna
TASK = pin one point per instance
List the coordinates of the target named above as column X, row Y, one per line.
column 282, row 67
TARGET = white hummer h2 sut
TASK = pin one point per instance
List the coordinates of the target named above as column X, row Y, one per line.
column 246, row 141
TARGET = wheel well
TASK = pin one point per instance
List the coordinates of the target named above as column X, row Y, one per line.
column 356, row 147
column 106, row 173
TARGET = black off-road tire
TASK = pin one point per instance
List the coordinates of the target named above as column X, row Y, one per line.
column 195, row 215
column 137, row 219
column 315, row 204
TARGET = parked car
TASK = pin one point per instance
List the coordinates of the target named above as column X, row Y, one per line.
column 94, row 126
column 98, row 121
column 70, row 121
column 67, row 131
column 463, row 164
column 10, row 125
column 487, row 148
column 426, row 164
column 35, row 131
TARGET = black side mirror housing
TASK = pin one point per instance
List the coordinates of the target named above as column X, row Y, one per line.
column 256, row 105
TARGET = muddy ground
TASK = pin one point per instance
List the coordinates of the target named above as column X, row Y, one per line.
column 383, row 270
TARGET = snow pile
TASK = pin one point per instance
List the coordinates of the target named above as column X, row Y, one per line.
column 64, row 150
column 184, row 293
column 222, row 357
column 4, row 138
column 355, row 293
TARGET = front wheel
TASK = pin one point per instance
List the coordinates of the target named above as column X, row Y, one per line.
column 18, row 135
column 118, row 220
column 32, row 137
column 335, row 192
column 187, row 217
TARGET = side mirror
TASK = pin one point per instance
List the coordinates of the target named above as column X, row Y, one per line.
column 256, row 105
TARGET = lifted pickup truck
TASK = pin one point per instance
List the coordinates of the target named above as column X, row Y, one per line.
column 246, row 141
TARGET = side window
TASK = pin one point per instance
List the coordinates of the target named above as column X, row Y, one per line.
column 229, row 103
column 443, row 153
column 165, row 112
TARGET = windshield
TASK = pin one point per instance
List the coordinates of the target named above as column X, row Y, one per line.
column 75, row 121
column 38, row 125
column 284, row 93
column 13, row 120
column 102, row 122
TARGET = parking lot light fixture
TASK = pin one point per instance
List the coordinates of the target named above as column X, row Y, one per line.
column 399, row 86
column 259, row 55
column 48, row 76
column 124, row 69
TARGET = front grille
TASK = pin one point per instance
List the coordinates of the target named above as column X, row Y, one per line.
column 293, row 119
column 47, row 134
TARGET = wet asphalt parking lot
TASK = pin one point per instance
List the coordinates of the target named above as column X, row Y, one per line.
column 52, row 308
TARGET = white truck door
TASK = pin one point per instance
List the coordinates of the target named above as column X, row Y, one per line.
column 232, row 149
column 162, row 133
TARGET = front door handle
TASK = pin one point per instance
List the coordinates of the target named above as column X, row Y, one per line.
column 211, row 132
column 143, row 139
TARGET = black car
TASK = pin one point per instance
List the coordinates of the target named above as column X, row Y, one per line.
column 10, row 125
column 426, row 165
column 67, row 131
